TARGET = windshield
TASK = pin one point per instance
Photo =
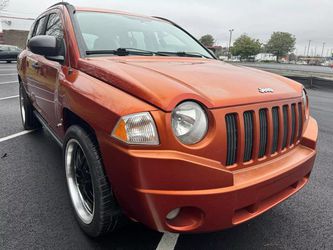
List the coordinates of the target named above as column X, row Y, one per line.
column 103, row 32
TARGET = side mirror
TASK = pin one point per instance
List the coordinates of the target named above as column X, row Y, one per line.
column 47, row 46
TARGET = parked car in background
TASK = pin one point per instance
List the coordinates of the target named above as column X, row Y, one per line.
column 9, row 53
column 155, row 129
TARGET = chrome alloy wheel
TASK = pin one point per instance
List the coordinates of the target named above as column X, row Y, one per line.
column 79, row 181
column 22, row 107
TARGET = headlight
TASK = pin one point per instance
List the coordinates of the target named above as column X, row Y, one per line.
column 189, row 122
column 137, row 128
column 305, row 103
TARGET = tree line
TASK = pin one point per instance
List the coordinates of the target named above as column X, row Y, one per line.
column 280, row 44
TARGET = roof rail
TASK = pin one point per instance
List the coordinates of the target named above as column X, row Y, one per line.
column 164, row 19
column 60, row 3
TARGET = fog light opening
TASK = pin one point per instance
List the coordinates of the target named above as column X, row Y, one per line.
column 184, row 219
column 173, row 214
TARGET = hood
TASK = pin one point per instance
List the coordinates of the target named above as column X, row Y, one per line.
column 166, row 81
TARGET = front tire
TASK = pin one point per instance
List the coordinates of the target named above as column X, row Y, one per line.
column 95, row 207
column 29, row 121
column 8, row 61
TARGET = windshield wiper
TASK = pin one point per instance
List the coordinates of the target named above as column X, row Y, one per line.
column 134, row 51
column 184, row 54
column 125, row 52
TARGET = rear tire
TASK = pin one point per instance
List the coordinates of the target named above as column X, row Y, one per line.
column 29, row 121
column 95, row 206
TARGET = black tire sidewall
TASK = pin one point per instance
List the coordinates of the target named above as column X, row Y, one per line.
column 25, row 122
column 95, row 228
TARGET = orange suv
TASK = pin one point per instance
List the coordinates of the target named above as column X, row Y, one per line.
column 155, row 129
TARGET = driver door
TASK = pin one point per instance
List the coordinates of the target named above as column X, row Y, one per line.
column 48, row 75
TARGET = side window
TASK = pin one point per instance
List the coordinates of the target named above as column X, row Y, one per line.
column 4, row 48
column 54, row 26
column 14, row 49
column 40, row 26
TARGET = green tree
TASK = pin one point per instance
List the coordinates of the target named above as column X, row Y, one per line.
column 245, row 46
column 280, row 44
column 207, row 40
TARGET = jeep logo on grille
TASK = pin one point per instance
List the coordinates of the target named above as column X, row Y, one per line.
column 265, row 90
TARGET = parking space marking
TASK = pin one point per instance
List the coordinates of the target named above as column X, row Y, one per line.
column 9, row 97
column 2, row 83
column 8, row 74
column 168, row 241
column 16, row 135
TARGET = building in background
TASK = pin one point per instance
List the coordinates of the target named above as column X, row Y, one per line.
column 14, row 29
column 265, row 57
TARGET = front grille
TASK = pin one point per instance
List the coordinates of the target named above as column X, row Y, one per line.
column 249, row 132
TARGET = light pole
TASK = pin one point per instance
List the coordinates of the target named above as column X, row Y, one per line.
column 230, row 37
column 322, row 52
column 308, row 48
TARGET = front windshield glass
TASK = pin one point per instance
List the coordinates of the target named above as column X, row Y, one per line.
column 109, row 31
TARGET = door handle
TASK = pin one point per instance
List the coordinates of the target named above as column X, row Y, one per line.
column 35, row 65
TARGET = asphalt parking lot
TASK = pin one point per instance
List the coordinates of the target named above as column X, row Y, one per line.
column 35, row 210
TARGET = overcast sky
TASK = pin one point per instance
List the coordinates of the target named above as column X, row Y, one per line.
column 306, row 19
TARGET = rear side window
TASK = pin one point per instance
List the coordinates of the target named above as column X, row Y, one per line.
column 54, row 26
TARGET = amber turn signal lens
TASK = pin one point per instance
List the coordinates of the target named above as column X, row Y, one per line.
column 137, row 128
column 120, row 131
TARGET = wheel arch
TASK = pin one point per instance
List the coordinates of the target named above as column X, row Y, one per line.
column 70, row 118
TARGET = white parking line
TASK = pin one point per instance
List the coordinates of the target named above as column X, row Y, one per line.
column 8, row 74
column 9, row 97
column 16, row 135
column 2, row 83
column 168, row 241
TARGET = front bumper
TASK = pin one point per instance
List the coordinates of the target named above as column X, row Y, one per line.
column 150, row 183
